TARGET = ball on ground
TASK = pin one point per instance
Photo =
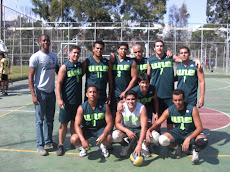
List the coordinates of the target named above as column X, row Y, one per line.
column 136, row 160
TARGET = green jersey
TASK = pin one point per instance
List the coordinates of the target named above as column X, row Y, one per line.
column 93, row 119
column 6, row 63
column 121, row 75
column 188, row 81
column 142, row 66
column 72, row 84
column 97, row 75
column 183, row 119
column 162, row 75
column 146, row 99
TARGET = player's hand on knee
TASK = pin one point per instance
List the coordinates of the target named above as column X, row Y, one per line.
column 131, row 135
column 148, row 135
column 185, row 145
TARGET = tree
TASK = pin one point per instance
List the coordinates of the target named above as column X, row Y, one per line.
column 218, row 11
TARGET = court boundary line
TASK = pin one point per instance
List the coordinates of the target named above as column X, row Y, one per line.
column 15, row 109
column 69, row 153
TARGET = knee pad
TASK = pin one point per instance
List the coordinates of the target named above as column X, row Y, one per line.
column 117, row 137
column 164, row 140
column 201, row 143
column 155, row 137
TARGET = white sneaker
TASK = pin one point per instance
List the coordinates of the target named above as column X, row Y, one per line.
column 83, row 152
column 104, row 151
column 124, row 150
column 177, row 151
column 195, row 156
column 145, row 150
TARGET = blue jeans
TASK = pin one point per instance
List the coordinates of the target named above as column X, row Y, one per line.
column 44, row 112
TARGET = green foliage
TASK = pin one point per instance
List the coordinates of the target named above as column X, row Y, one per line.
column 218, row 11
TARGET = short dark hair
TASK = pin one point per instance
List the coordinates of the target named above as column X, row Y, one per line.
column 91, row 86
column 2, row 54
column 143, row 77
column 178, row 92
column 100, row 43
column 123, row 44
column 185, row 47
column 131, row 92
column 74, row 47
column 44, row 35
column 159, row 40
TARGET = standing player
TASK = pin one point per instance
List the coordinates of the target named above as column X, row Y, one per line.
column 188, row 76
column 140, row 60
column 124, row 75
column 69, row 94
column 160, row 67
column 131, row 124
column 42, row 67
column 5, row 70
column 93, row 119
column 188, row 127
column 99, row 72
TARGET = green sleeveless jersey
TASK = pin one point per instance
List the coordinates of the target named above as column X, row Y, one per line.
column 97, row 75
column 121, row 75
column 6, row 64
column 94, row 119
column 142, row 65
column 182, row 120
column 72, row 84
column 146, row 99
column 188, row 81
column 162, row 75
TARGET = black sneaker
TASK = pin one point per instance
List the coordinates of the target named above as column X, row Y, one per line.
column 50, row 145
column 60, row 150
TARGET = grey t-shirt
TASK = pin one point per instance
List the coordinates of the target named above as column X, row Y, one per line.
column 45, row 64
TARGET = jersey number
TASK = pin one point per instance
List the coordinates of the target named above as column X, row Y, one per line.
column 99, row 74
column 118, row 73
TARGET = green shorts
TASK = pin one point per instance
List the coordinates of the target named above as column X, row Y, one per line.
column 163, row 105
column 68, row 113
column 179, row 135
column 87, row 133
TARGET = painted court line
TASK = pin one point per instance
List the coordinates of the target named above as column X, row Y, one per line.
column 153, row 155
column 16, row 109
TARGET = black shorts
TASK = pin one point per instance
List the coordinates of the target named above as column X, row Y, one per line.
column 68, row 113
column 163, row 105
column 4, row 77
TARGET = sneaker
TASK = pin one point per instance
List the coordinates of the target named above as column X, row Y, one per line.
column 145, row 150
column 104, row 151
column 109, row 147
column 124, row 150
column 6, row 94
column 83, row 152
column 60, row 150
column 50, row 145
column 42, row 151
column 195, row 156
column 177, row 151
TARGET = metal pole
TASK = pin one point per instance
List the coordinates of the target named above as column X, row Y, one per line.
column 201, row 46
column 1, row 19
column 216, row 58
column 21, row 43
column 227, row 51
column 175, row 41
column 224, row 57
column 95, row 32
column 147, row 50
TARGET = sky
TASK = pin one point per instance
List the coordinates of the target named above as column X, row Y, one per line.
column 196, row 8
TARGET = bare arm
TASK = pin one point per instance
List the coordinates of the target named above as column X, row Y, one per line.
column 176, row 59
column 156, row 105
column 149, row 68
column 110, row 79
column 83, row 68
column 109, row 126
column 60, row 79
column 200, row 75
column 78, row 120
column 143, row 121
column 134, row 75
column 31, row 85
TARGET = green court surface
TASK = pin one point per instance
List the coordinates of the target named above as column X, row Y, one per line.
column 18, row 140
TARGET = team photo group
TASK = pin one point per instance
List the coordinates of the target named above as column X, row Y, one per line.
column 125, row 100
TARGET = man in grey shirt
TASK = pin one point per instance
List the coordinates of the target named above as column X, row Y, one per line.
column 42, row 67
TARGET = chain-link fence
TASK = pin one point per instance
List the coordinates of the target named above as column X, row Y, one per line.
column 208, row 42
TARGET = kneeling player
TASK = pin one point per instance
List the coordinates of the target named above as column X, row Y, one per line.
column 131, row 123
column 96, row 120
column 187, row 123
